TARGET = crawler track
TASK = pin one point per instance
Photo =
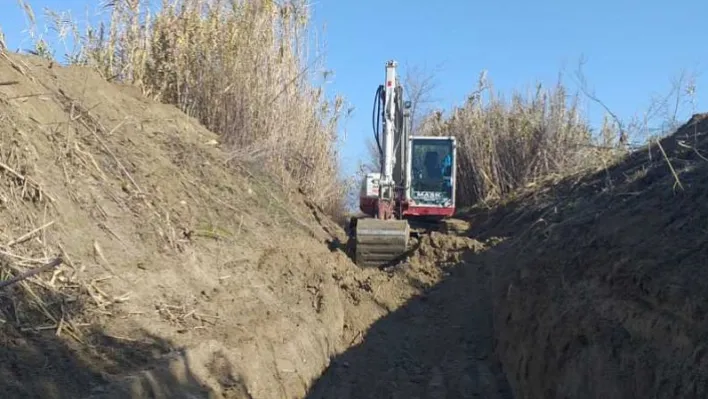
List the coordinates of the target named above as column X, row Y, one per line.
column 378, row 243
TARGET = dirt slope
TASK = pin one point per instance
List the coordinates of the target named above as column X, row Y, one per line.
column 181, row 276
column 601, row 289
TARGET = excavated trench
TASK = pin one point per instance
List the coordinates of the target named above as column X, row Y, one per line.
column 437, row 344
column 184, row 278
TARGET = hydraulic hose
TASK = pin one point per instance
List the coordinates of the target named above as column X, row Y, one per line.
column 376, row 118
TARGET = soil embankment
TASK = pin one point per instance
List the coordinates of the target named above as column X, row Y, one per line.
column 600, row 290
column 183, row 276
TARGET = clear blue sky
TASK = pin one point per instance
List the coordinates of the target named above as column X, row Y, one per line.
column 633, row 48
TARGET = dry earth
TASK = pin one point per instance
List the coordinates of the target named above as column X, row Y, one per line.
column 188, row 276
column 183, row 275
column 600, row 288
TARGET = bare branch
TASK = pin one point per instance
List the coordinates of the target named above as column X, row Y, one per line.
column 419, row 84
column 582, row 82
column 667, row 106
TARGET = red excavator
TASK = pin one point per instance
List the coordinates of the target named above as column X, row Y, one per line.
column 416, row 181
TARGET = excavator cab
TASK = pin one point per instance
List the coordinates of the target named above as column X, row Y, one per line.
column 432, row 173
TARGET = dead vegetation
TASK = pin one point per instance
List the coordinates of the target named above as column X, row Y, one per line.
column 508, row 143
column 505, row 145
column 244, row 69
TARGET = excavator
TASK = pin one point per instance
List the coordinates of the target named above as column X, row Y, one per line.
column 414, row 188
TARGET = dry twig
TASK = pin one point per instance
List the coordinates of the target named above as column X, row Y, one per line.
column 54, row 263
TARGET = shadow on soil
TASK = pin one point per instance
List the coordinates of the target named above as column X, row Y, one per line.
column 602, row 285
column 438, row 345
column 600, row 292
column 36, row 363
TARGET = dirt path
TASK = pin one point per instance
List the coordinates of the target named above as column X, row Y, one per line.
column 437, row 345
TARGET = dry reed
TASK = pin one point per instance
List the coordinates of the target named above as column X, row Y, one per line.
column 243, row 68
column 503, row 146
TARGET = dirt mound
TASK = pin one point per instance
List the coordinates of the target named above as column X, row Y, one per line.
column 600, row 290
column 181, row 276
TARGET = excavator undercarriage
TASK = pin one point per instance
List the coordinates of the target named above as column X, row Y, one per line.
column 380, row 242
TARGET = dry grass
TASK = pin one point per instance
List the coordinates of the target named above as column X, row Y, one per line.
column 243, row 68
column 503, row 145
column 59, row 124
column 53, row 298
column 47, row 297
